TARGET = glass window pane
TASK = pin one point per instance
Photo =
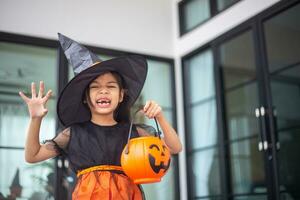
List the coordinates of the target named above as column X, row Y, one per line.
column 20, row 65
column 195, row 12
column 253, row 197
column 14, row 124
column 247, row 167
column 282, row 34
column 35, row 181
column 204, row 173
column 288, row 156
column 203, row 125
column 166, row 189
column 240, row 111
column 158, row 85
column 237, row 59
column 286, row 196
column 222, row 4
column 200, row 77
column 286, row 99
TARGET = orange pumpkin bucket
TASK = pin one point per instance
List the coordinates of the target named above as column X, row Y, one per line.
column 145, row 159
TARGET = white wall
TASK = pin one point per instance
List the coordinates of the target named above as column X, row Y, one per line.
column 142, row 26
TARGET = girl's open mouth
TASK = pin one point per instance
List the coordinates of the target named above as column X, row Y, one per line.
column 103, row 102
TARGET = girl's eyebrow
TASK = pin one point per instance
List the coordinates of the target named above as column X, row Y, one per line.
column 112, row 82
column 96, row 82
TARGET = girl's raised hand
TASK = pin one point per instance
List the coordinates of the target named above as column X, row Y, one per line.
column 37, row 103
column 152, row 109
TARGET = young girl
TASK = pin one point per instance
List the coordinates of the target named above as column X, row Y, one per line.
column 94, row 106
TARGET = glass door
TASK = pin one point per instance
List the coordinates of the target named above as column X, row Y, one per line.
column 241, row 92
column 282, row 40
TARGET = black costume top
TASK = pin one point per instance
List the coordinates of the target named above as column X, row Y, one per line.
column 88, row 144
column 91, row 144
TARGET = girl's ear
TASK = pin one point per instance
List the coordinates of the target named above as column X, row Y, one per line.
column 121, row 95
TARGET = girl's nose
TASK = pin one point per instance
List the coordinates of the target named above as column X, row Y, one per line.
column 103, row 91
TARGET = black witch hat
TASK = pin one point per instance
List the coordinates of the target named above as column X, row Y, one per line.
column 87, row 66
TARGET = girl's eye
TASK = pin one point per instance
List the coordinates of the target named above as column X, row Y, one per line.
column 93, row 86
column 111, row 86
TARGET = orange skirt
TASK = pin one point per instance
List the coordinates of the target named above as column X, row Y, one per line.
column 106, row 185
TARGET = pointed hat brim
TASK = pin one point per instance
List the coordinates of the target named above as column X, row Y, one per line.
column 70, row 106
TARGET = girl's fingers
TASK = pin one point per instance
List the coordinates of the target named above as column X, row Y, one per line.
column 146, row 106
column 33, row 91
column 41, row 90
column 152, row 109
column 24, row 97
column 157, row 111
column 47, row 96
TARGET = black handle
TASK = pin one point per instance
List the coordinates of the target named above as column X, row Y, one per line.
column 157, row 132
column 261, row 115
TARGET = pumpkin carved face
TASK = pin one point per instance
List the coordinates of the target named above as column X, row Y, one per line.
column 159, row 157
column 146, row 160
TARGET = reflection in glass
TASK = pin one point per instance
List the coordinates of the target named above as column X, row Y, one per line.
column 200, row 73
column 286, row 196
column 282, row 34
column 237, row 60
column 247, row 167
column 286, row 97
column 240, row 108
column 203, row 123
column 288, row 157
column 36, row 181
column 204, row 173
column 195, row 12
column 286, row 100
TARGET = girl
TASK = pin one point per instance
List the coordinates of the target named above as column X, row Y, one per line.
column 94, row 106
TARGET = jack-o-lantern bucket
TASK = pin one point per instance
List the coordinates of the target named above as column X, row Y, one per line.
column 145, row 159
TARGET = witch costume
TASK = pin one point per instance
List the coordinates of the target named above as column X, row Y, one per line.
column 94, row 151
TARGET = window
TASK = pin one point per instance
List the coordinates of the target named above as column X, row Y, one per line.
column 202, row 134
column 193, row 13
column 20, row 65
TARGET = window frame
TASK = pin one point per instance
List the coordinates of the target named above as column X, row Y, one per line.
column 213, row 11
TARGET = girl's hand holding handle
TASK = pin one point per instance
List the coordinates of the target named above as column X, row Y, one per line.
column 37, row 103
column 152, row 109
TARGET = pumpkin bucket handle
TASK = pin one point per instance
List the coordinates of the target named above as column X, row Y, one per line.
column 157, row 132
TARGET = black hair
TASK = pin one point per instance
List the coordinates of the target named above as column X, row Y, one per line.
column 122, row 112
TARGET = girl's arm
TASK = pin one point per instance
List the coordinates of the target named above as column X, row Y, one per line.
column 151, row 110
column 34, row 151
